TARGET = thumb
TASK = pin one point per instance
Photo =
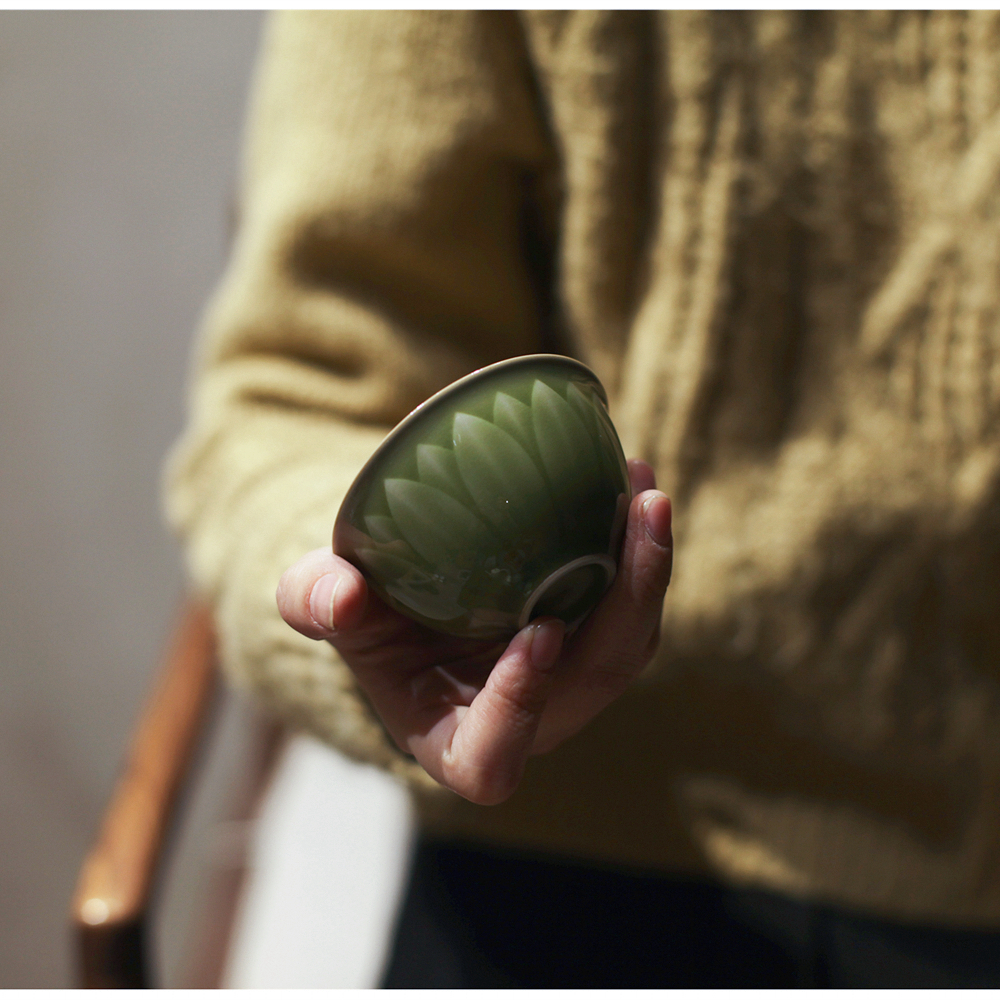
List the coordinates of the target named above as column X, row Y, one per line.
column 321, row 595
column 494, row 738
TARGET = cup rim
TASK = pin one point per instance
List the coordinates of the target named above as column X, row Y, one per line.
column 434, row 401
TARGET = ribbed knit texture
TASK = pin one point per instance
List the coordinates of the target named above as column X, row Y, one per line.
column 774, row 236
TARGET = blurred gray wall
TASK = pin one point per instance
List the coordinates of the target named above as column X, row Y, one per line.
column 119, row 135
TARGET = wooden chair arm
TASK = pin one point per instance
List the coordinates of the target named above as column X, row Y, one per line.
column 111, row 903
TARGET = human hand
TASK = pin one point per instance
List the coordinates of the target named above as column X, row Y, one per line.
column 472, row 712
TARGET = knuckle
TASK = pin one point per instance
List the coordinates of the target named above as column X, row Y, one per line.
column 517, row 697
column 481, row 785
column 649, row 583
column 520, row 707
column 491, row 794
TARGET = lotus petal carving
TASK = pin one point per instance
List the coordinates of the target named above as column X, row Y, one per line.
column 471, row 514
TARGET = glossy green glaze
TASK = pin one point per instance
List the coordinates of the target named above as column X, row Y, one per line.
column 501, row 498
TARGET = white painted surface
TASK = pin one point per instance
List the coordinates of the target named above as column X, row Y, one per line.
column 121, row 134
column 119, row 139
column 329, row 858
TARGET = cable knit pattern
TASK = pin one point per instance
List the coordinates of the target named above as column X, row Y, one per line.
column 774, row 237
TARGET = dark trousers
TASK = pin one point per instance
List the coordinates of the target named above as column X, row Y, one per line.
column 483, row 918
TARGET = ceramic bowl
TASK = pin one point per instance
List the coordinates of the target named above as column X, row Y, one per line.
column 501, row 498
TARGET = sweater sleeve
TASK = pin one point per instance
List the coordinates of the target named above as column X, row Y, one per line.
column 385, row 247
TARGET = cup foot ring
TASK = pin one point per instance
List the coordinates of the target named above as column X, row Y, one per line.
column 570, row 592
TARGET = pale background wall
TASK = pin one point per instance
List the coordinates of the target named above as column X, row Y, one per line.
column 118, row 149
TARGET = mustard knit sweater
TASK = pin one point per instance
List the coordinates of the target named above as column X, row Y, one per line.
column 776, row 239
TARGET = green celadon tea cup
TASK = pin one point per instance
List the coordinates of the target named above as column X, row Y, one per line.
column 500, row 499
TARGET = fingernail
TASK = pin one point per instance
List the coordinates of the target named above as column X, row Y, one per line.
column 546, row 642
column 656, row 516
column 321, row 600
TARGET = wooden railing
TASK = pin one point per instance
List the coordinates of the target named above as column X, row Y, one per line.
column 111, row 907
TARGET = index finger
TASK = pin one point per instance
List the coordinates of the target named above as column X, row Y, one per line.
column 480, row 750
